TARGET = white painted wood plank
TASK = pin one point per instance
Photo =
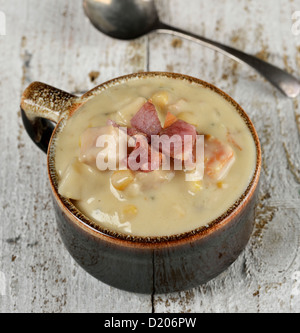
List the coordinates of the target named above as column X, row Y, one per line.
column 264, row 278
column 52, row 41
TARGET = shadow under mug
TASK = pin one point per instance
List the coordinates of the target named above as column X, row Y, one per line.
column 136, row 264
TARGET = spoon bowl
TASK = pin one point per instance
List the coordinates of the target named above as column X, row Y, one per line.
column 126, row 19
column 130, row 19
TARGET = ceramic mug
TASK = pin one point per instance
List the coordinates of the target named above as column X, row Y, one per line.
column 143, row 265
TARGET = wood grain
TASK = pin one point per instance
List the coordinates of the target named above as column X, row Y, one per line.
column 52, row 41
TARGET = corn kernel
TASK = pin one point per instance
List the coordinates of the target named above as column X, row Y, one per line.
column 160, row 99
column 130, row 210
column 221, row 185
column 120, row 179
column 196, row 186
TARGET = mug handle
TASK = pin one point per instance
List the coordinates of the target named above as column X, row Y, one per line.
column 41, row 108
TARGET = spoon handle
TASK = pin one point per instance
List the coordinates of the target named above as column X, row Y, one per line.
column 282, row 80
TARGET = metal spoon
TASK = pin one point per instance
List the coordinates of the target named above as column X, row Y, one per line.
column 130, row 19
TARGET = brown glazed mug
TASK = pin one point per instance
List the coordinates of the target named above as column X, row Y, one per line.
column 137, row 264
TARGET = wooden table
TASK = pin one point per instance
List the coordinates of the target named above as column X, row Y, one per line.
column 53, row 42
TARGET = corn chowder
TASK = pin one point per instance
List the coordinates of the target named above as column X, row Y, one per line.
column 140, row 197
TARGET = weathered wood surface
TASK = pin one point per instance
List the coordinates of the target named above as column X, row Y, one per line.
column 52, row 41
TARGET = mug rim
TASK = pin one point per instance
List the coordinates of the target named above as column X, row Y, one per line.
column 87, row 224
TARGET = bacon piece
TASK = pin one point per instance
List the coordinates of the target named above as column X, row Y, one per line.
column 89, row 148
column 139, row 156
column 143, row 158
column 146, row 120
column 177, row 132
column 218, row 158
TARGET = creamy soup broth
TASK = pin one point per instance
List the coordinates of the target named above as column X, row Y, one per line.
column 161, row 202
